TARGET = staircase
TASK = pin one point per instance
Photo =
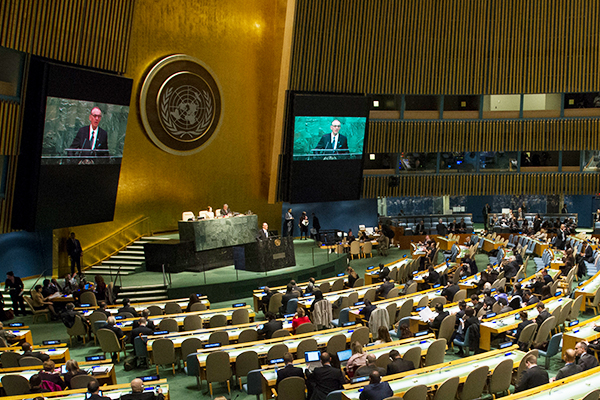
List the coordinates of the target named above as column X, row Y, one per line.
column 138, row 294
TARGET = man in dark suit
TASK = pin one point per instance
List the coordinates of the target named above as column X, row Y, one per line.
column 398, row 364
column 533, row 376
column 450, row 290
column 93, row 388
column 420, row 228
column 28, row 352
column 127, row 308
column 586, row 361
column 75, row 252
column 324, row 380
column 376, row 390
column 137, row 392
column 561, row 238
column 385, row 287
column 436, row 322
column 334, row 142
column 263, row 234
column 529, row 299
column 570, row 367
column 289, row 294
column 441, row 228
column 271, row 326
column 141, row 329
column 289, row 369
column 371, row 366
column 92, row 137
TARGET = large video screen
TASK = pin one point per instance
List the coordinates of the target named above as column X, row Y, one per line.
column 74, row 129
column 324, row 147
column 80, row 132
column 329, row 137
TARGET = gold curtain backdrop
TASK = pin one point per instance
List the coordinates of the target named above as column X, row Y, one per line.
column 482, row 184
column 483, row 135
column 446, row 47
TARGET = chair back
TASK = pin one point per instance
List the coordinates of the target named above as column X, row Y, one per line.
column 172, row 308
column 423, row 301
column 78, row 328
column 336, row 343
column 337, row 285
column 553, row 348
column 240, row 316
column 305, row 345
column 418, row 392
column 405, row 309
column 109, row 343
column 325, row 287
column 292, row 388
column 168, row 324
column 447, row 328
column 500, row 380
column 522, row 365
column 361, row 335
column 476, row 380
column 192, row 322
column 89, row 298
column 355, row 248
column 527, row 334
column 96, row 316
column 9, row 359
column 125, row 314
column 188, row 215
column 281, row 333
column 352, row 298
column 413, row 354
column 575, row 308
column 217, row 320
column 254, row 382
column 275, row 303
column 248, row 335
column 218, row 367
column 163, row 351
column 198, row 307
column 15, row 384
column 392, row 309
column 447, row 389
column 155, row 310
column 81, row 381
column 276, row 351
column 544, row 330
column 359, row 282
column 394, row 292
column 310, row 327
column 219, row 337
column 460, row 295
column 436, row 352
column 30, row 362
column 593, row 395
column 246, row 362
column 368, row 248
column 370, row 294
column 437, row 300
column 190, row 346
column 291, row 306
column 383, row 360
column 564, row 313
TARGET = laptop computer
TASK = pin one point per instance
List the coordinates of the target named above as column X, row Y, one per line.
column 312, row 359
column 344, row 356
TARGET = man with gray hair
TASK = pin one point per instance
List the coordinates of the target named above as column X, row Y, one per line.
column 137, row 392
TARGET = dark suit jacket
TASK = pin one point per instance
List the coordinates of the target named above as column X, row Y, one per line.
column 324, row 380
column 143, row 396
column 325, row 143
column 442, row 230
column 115, row 329
column 437, row 321
column 587, row 361
column 420, row 229
column 82, row 139
column 74, row 248
column 568, row 370
column 36, row 354
column 376, row 391
column 289, row 371
column 261, row 235
column 98, row 397
column 544, row 315
column 450, row 291
column 532, row 377
column 270, row 327
column 399, row 365
column 54, row 378
column 130, row 310
column 385, row 288
column 365, row 370
column 140, row 330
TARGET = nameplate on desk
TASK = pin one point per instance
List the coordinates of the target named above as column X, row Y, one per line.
column 289, row 315
column 415, row 272
column 557, row 294
column 307, row 294
column 360, row 379
column 519, row 280
column 200, row 294
column 276, row 361
column 422, row 333
column 95, row 358
column 212, row 345
column 236, row 305
column 149, row 378
column 85, row 305
column 419, row 308
column 573, row 323
column 50, row 342
column 348, row 323
column 160, row 332
column 405, row 256
column 262, row 287
column 490, row 315
column 371, row 267
column 16, row 324
column 341, row 274
column 118, row 317
column 436, row 285
column 505, row 345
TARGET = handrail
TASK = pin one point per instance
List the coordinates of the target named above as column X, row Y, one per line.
column 116, row 242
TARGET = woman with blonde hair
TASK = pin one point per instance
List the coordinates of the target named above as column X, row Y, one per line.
column 72, row 370
column 356, row 360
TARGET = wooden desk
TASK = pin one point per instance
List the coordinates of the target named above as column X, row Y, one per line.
column 269, row 372
column 444, row 243
column 441, row 269
column 58, row 353
column 307, row 301
column 112, row 391
column 104, row 378
column 22, row 335
column 373, row 273
column 139, row 307
column 434, row 375
column 588, row 289
column 574, row 387
column 582, row 331
column 507, row 321
column 127, row 323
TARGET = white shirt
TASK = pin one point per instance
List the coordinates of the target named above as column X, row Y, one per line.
column 93, row 137
column 334, row 140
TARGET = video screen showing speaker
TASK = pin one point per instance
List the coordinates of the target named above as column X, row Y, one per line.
column 74, row 130
column 323, row 150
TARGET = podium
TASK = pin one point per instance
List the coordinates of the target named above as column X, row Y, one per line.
column 265, row 255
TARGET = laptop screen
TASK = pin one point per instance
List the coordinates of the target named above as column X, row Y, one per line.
column 312, row 356
column 344, row 355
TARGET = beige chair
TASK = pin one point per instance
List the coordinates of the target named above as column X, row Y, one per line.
column 336, row 343
column 275, row 303
column 382, row 361
column 592, row 302
column 168, row 324
column 96, row 316
column 281, row 333
column 460, row 295
column 435, row 353
column 306, row 328
column 423, row 301
column 359, row 282
column 544, row 330
column 526, row 335
column 418, row 392
column 448, row 389
column 370, row 295
column 30, row 362
column 367, row 249
column 192, row 323
column 219, row 337
column 15, row 384
column 188, row 216
column 189, row 346
column 575, row 308
column 394, row 292
column 305, row 345
column 360, row 335
column 37, row 313
column 437, row 300
column 248, row 335
column 447, row 329
column 172, row 308
column 163, row 352
column 473, row 387
column 593, row 395
column 276, row 351
column 291, row 388
column 81, row 381
column 218, row 369
column 522, row 366
column 78, row 329
column 500, row 379
column 412, row 288
column 355, row 249
column 325, row 287
column 244, row 363
column 197, row 307
column 240, row 316
column 109, row 343
column 352, row 298
column 9, row 359
column 392, row 310
column 89, row 298
column 155, row 310
column 413, row 355
column 217, row 321
column 405, row 309
column 337, row 285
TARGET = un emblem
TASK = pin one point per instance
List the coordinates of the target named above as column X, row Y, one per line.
column 180, row 104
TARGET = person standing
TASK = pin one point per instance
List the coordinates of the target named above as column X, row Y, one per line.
column 75, row 253
column 316, row 226
column 303, row 225
column 14, row 286
column 289, row 223
column 486, row 212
